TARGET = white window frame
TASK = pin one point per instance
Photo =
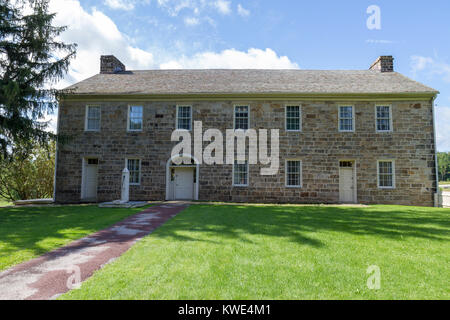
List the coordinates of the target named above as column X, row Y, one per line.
column 140, row 164
column 86, row 118
column 393, row 174
column 176, row 118
column 248, row 175
column 128, row 118
column 391, row 127
column 286, row 174
column 300, row 117
column 339, row 117
column 234, row 116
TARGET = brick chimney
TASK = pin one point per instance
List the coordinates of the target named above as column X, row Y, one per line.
column 110, row 64
column 383, row 64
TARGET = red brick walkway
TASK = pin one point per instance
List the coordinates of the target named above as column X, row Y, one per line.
column 58, row 271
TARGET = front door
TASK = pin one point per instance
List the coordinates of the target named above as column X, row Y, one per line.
column 184, row 183
column 346, row 182
column 90, row 179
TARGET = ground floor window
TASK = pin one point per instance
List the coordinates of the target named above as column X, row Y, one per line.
column 240, row 173
column 386, row 174
column 293, row 173
column 134, row 166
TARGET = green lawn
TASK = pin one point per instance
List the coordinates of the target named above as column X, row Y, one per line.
column 4, row 203
column 27, row 232
column 284, row 252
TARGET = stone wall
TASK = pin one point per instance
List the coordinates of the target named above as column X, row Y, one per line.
column 320, row 146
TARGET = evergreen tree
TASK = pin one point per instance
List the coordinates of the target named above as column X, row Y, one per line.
column 32, row 59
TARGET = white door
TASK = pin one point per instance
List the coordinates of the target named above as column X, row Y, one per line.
column 184, row 183
column 346, row 185
column 90, row 178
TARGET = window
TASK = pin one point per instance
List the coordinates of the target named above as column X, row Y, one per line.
column 293, row 118
column 346, row 119
column 240, row 173
column 241, row 117
column 184, row 117
column 383, row 118
column 135, row 118
column 386, row 174
column 92, row 118
column 134, row 166
column 293, row 173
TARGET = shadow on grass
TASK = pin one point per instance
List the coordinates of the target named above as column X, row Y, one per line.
column 299, row 223
column 40, row 229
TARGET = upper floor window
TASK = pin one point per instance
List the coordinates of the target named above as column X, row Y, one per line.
column 240, row 173
column 346, row 118
column 386, row 174
column 135, row 114
column 92, row 118
column 293, row 173
column 134, row 167
column 293, row 118
column 184, row 117
column 241, row 117
column 383, row 118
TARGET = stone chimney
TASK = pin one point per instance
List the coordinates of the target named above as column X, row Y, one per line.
column 110, row 64
column 383, row 64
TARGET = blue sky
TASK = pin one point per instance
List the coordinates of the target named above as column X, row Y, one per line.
column 267, row 34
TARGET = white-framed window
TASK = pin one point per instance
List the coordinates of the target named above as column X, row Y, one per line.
column 293, row 170
column 134, row 167
column 383, row 118
column 346, row 118
column 293, row 118
column 241, row 117
column 184, row 118
column 240, row 173
column 386, row 174
column 135, row 118
column 93, row 116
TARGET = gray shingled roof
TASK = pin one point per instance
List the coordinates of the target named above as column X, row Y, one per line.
column 232, row 81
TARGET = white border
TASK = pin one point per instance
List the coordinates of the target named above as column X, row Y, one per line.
column 234, row 115
column 353, row 117
column 393, row 173
column 86, row 118
column 300, row 115
column 140, row 172
column 128, row 118
column 176, row 117
column 286, row 173
column 391, row 123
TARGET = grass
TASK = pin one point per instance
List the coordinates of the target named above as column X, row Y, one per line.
column 284, row 252
column 4, row 203
column 27, row 232
column 444, row 182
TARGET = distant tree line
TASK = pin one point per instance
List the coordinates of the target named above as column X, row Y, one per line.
column 444, row 166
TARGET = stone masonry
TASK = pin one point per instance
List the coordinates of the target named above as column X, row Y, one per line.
column 319, row 145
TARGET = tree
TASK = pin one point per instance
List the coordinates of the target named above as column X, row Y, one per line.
column 443, row 166
column 31, row 60
column 30, row 175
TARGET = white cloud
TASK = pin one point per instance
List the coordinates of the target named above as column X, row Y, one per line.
column 232, row 59
column 430, row 66
column 120, row 4
column 223, row 6
column 191, row 21
column 242, row 11
column 442, row 128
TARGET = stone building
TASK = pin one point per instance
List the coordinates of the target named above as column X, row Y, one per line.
column 362, row 136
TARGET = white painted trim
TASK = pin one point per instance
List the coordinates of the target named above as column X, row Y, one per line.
column 300, row 115
column 176, row 117
column 393, row 173
column 286, row 173
column 353, row 117
column 140, row 171
column 234, row 115
column 436, row 204
column 355, row 182
column 248, row 176
column 86, row 118
column 128, row 118
column 391, row 123
column 197, row 174
column 83, row 172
